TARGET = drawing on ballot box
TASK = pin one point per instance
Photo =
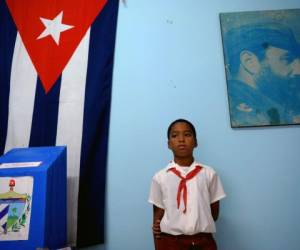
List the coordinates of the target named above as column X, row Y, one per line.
column 15, row 207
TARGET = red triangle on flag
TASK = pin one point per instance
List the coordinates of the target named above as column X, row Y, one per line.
column 52, row 30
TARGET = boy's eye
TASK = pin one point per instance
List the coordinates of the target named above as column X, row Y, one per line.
column 188, row 134
column 173, row 135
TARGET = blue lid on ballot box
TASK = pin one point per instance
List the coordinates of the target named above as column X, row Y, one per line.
column 33, row 195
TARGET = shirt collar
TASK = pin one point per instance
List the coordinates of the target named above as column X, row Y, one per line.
column 173, row 164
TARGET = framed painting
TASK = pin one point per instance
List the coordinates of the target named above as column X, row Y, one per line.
column 262, row 64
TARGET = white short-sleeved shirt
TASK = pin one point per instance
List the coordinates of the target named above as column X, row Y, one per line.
column 202, row 190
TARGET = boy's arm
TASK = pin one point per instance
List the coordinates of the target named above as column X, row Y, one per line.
column 215, row 207
column 158, row 213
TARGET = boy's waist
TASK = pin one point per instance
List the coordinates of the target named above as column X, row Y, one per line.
column 185, row 236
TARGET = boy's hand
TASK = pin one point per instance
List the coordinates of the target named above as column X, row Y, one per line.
column 158, row 214
column 156, row 229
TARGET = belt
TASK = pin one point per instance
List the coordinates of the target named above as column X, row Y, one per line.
column 185, row 236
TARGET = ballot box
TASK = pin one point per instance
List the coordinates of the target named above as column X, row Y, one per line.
column 33, row 198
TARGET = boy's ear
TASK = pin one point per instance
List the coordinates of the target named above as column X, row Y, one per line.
column 196, row 143
column 168, row 143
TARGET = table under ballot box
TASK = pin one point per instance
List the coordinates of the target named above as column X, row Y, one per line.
column 33, row 198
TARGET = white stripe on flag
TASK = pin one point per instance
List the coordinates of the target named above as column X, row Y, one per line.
column 22, row 88
column 70, row 122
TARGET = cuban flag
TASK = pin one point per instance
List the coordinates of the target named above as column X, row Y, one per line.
column 56, row 60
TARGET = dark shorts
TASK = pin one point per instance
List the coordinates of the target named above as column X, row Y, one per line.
column 200, row 241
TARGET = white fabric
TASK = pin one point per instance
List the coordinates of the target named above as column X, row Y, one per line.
column 69, row 125
column 22, row 88
column 202, row 190
column 185, row 169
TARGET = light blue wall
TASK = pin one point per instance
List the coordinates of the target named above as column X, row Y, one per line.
column 169, row 64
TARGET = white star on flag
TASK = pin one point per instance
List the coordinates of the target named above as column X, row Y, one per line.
column 54, row 27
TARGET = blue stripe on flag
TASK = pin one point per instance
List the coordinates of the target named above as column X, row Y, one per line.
column 95, row 127
column 4, row 211
column 45, row 114
column 7, row 43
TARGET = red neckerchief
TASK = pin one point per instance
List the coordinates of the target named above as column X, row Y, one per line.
column 182, row 184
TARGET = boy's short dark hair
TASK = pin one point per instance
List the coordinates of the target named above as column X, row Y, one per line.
column 185, row 121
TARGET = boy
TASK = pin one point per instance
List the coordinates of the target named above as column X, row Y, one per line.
column 185, row 196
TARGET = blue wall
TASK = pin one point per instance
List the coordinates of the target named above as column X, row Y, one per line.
column 169, row 64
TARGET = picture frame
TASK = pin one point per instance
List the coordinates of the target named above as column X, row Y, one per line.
column 262, row 66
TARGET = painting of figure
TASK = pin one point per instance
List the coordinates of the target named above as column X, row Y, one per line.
column 262, row 64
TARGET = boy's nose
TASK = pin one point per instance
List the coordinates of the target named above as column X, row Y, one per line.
column 181, row 138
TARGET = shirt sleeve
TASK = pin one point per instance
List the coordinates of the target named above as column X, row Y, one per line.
column 216, row 189
column 155, row 196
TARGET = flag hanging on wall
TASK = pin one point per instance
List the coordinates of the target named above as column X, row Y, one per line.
column 56, row 61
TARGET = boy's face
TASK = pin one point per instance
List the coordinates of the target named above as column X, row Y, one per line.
column 182, row 140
